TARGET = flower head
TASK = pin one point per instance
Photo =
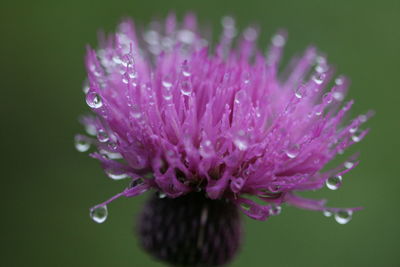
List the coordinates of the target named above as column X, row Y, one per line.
column 175, row 115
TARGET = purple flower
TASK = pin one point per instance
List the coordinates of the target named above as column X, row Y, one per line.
column 175, row 115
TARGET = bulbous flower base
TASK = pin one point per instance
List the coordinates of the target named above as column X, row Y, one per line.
column 191, row 230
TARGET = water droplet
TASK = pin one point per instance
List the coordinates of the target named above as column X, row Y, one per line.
column 90, row 129
column 353, row 129
column 186, row 36
column 339, row 81
column 206, row 149
column 102, row 136
column 334, row 182
column 319, row 78
column 278, row 40
column 293, row 151
column 275, row 210
column 167, row 84
column 81, row 144
column 338, row 96
column 299, row 93
column 166, row 89
column 85, row 89
column 240, row 141
column 363, row 118
column 327, row 98
column 117, row 59
column 343, row 216
column 161, row 195
column 94, row 100
column 327, row 213
column 186, row 87
column 185, row 69
column 348, row 164
column 116, row 174
column 356, row 138
column 125, row 78
column 240, row 97
column 99, row 214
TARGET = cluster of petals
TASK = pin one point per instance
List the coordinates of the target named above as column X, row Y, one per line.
column 175, row 113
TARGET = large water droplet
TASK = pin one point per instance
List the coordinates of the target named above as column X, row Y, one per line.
column 356, row 137
column 186, row 87
column 343, row 216
column 102, row 136
column 319, row 78
column 334, row 182
column 353, row 129
column 293, row 151
column 81, row 144
column 278, row 40
column 99, row 214
column 94, row 100
column 275, row 210
column 116, row 174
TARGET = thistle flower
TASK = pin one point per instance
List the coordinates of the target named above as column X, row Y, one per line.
column 209, row 130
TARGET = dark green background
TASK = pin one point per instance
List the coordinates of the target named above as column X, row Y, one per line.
column 47, row 187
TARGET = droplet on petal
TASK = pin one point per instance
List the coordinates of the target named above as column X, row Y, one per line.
column 99, row 214
column 94, row 100
column 343, row 216
column 334, row 182
column 81, row 144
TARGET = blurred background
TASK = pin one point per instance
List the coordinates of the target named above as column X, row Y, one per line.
column 47, row 186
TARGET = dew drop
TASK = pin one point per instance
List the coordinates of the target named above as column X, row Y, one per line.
column 348, row 164
column 275, row 210
column 293, row 151
column 167, row 84
column 301, row 91
column 206, row 149
column 185, row 69
column 94, row 100
column 353, row 129
column 240, row 141
column 99, row 214
column 343, row 216
column 81, row 144
column 356, row 138
column 278, row 40
column 339, row 81
column 327, row 213
column 102, row 136
column 125, row 78
column 117, row 60
column 319, row 78
column 161, row 195
column 186, row 87
column 333, row 183
column 116, row 174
